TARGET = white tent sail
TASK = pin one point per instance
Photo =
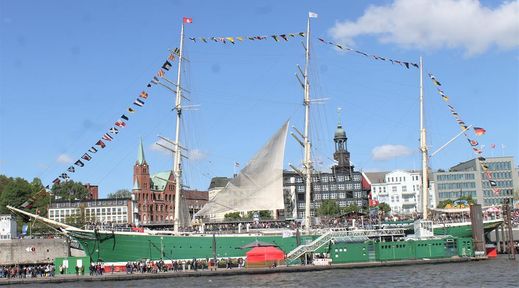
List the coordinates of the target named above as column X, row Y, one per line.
column 258, row 186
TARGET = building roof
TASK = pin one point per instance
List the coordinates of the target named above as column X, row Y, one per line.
column 376, row 177
column 196, row 195
column 339, row 132
column 160, row 180
column 218, row 182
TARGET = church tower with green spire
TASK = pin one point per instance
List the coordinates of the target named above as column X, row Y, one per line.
column 141, row 183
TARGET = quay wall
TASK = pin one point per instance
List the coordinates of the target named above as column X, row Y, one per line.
column 32, row 251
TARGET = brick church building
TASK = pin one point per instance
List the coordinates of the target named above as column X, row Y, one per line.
column 155, row 194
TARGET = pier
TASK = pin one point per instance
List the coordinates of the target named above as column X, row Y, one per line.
column 121, row 276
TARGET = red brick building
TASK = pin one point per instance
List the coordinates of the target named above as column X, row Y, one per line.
column 155, row 194
column 93, row 191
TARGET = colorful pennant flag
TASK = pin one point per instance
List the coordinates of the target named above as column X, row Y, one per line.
column 405, row 64
column 120, row 123
column 139, row 102
column 143, row 95
column 166, row 66
column 114, row 130
column 101, row 144
column 436, row 82
column 473, row 142
column 160, row 73
column 107, row 137
column 71, row 169
column 479, row 131
column 187, row 20
column 92, row 149
column 56, row 181
column 79, row 163
column 131, row 110
column 124, row 117
column 86, row 157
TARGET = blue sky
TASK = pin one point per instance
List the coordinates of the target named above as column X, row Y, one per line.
column 69, row 69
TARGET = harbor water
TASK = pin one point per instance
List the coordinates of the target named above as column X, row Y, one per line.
column 498, row 272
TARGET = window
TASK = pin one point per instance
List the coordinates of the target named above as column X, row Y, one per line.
column 404, row 188
column 342, row 195
column 326, row 196
column 393, row 189
column 333, row 195
column 341, row 187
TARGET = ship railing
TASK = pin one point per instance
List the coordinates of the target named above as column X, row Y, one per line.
column 342, row 235
column 314, row 245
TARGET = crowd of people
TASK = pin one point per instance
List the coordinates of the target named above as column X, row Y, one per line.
column 144, row 266
column 27, row 271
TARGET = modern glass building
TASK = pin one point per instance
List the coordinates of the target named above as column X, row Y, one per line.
column 469, row 179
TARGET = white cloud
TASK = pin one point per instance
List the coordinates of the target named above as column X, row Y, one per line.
column 389, row 151
column 435, row 24
column 156, row 147
column 193, row 154
column 64, row 159
column 196, row 154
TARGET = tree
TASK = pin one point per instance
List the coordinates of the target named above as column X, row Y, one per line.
column 3, row 181
column 263, row 214
column 15, row 193
column 69, row 191
column 232, row 216
column 384, row 207
column 351, row 208
column 121, row 193
column 442, row 204
column 329, row 207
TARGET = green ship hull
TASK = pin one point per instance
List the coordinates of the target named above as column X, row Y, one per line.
column 122, row 247
column 463, row 229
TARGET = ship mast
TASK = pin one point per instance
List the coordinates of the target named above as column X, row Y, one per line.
column 423, row 148
column 307, row 146
column 177, row 165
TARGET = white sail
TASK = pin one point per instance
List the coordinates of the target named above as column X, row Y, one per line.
column 258, row 186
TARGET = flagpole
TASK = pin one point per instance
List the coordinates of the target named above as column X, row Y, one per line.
column 177, row 164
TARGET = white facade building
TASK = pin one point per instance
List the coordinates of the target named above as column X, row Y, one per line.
column 401, row 190
column 117, row 211
column 7, row 227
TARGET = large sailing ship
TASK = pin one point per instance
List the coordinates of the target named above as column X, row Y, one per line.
column 259, row 186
